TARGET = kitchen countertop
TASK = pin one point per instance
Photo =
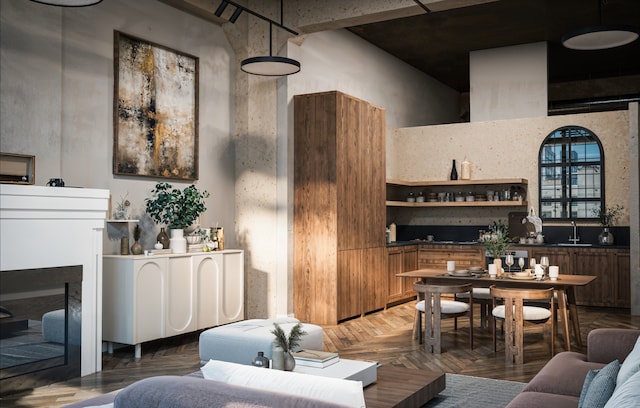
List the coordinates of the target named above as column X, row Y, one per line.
column 518, row 245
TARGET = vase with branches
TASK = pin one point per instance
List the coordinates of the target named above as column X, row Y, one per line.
column 607, row 218
column 288, row 343
column 496, row 242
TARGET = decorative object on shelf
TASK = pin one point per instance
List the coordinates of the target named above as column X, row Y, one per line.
column 260, row 360
column 124, row 246
column 178, row 209
column 167, row 146
column 220, row 236
column 122, row 209
column 158, row 245
column 607, row 217
column 136, row 248
column 454, row 172
column 465, row 170
column 289, row 343
column 163, row 239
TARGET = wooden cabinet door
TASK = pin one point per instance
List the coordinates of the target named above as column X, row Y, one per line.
column 623, row 278
column 600, row 263
column 374, row 279
column 349, row 296
column 557, row 256
column 410, row 263
column 395, row 261
column 436, row 256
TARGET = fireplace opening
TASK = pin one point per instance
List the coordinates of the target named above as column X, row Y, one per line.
column 40, row 327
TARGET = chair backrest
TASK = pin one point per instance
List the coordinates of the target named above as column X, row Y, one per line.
column 431, row 294
column 514, row 298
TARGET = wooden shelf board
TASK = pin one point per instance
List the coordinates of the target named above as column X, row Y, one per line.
column 456, row 182
column 514, row 203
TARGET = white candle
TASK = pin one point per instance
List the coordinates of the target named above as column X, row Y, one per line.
column 465, row 170
column 451, row 266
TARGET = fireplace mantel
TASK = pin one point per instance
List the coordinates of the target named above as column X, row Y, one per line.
column 43, row 227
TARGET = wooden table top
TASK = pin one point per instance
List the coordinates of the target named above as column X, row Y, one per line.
column 401, row 387
column 485, row 280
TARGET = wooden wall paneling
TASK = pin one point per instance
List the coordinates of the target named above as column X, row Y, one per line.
column 315, row 264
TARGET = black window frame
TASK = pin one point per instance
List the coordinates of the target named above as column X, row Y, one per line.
column 567, row 133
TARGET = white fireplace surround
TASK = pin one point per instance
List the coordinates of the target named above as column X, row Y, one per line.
column 43, row 227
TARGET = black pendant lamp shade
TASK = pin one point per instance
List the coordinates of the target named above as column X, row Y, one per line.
column 267, row 65
column 601, row 36
column 68, row 3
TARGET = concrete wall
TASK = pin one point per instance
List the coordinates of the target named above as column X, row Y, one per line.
column 56, row 85
column 501, row 149
column 508, row 82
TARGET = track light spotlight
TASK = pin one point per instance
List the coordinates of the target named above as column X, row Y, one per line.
column 221, row 8
column 235, row 15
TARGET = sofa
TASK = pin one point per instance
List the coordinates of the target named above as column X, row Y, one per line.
column 224, row 384
column 567, row 379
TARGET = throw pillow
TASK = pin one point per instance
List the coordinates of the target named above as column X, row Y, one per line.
column 630, row 365
column 627, row 395
column 335, row 390
column 591, row 374
column 600, row 388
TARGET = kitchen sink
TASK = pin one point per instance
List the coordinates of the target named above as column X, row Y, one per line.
column 572, row 244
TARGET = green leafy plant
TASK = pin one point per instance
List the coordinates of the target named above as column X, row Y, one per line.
column 608, row 216
column 291, row 342
column 176, row 208
column 497, row 241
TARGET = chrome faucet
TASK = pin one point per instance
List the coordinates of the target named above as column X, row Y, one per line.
column 575, row 238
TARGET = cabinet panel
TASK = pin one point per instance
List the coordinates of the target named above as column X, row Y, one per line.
column 623, row 284
column 180, row 302
column 374, row 279
column 557, row 256
column 150, row 283
column 598, row 262
column 349, row 283
column 232, row 293
column 208, row 270
column 395, row 262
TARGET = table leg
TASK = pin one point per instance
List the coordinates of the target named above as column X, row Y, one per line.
column 562, row 310
column 573, row 313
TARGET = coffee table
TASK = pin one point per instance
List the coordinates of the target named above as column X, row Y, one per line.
column 400, row 387
column 385, row 386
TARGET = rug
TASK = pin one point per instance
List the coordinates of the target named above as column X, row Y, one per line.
column 466, row 391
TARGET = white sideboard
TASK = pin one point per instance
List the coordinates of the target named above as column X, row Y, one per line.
column 152, row 297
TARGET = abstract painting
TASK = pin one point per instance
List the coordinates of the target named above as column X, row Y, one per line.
column 155, row 116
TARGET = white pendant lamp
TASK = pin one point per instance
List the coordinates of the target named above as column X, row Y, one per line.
column 600, row 37
column 68, row 3
column 266, row 65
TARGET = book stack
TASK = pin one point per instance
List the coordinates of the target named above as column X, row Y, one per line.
column 315, row 358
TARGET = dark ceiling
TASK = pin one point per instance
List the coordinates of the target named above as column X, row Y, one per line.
column 439, row 43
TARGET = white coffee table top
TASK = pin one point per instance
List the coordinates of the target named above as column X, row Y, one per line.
column 365, row 371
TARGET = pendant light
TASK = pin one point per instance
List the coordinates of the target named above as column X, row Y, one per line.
column 600, row 37
column 68, row 3
column 267, row 65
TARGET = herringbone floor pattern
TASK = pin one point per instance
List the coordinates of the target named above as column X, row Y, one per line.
column 385, row 336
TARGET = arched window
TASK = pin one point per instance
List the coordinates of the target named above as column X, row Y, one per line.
column 571, row 174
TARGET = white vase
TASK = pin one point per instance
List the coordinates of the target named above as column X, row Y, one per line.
column 177, row 242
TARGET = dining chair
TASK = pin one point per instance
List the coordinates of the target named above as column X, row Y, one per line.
column 514, row 313
column 434, row 308
column 482, row 297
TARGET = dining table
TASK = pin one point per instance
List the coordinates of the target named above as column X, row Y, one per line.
column 564, row 287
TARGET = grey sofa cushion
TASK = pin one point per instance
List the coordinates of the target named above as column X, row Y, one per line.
column 187, row 391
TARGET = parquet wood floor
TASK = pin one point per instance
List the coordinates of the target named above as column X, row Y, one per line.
column 385, row 336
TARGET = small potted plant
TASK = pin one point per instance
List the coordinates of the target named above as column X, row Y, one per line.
column 177, row 209
column 496, row 242
column 288, row 344
column 607, row 217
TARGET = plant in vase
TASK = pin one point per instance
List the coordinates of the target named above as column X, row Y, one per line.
column 607, row 217
column 136, row 248
column 496, row 242
column 177, row 209
column 288, row 344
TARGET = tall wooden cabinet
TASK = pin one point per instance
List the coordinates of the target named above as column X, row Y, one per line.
column 339, row 207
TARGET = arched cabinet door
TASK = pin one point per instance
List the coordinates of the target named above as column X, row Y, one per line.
column 231, row 300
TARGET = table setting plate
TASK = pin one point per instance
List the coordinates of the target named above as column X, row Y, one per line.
column 522, row 277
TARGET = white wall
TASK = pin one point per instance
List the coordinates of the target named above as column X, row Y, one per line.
column 56, row 85
column 508, row 82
